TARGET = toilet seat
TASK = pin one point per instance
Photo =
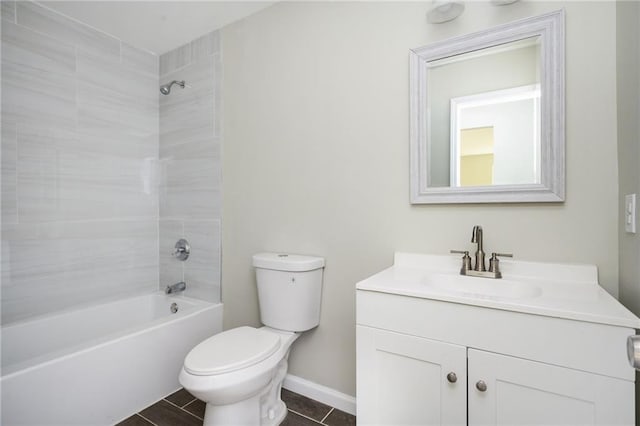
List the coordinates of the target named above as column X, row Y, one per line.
column 231, row 350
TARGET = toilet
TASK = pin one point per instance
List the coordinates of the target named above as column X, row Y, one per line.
column 239, row 373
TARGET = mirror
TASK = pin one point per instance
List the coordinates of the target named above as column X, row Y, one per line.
column 487, row 115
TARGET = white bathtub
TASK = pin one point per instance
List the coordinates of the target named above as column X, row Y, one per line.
column 98, row 365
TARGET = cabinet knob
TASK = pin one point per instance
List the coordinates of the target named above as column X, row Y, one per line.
column 452, row 378
column 481, row 386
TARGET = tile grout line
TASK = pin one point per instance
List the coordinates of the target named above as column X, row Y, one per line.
column 17, row 173
column 182, row 264
column 194, row 399
column 180, row 406
column 318, row 422
column 180, row 68
column 175, row 405
column 146, row 419
column 181, row 409
column 186, row 411
column 306, row 417
column 56, row 38
column 76, row 21
column 325, row 417
column 193, row 415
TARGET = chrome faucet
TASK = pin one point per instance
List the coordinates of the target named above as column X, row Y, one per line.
column 479, row 269
column 175, row 288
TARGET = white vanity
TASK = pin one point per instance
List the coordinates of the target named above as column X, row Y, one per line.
column 543, row 345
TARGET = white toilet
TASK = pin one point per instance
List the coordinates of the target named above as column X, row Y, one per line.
column 239, row 372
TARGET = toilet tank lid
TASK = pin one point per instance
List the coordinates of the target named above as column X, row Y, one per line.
column 287, row 262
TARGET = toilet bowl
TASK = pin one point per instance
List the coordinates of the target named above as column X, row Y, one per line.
column 243, row 375
column 239, row 372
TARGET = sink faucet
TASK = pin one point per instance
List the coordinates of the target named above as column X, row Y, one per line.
column 476, row 237
column 175, row 288
column 479, row 269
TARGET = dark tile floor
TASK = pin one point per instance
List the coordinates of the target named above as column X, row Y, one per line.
column 183, row 409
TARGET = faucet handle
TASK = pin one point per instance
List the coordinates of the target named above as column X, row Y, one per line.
column 465, row 252
column 494, row 263
column 466, row 260
column 493, row 255
column 181, row 250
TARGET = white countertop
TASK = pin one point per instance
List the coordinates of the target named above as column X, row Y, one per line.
column 548, row 289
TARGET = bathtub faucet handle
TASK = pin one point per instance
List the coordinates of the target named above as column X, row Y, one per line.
column 181, row 250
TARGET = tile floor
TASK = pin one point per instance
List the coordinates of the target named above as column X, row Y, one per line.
column 182, row 409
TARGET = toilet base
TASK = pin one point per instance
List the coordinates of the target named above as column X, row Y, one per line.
column 242, row 413
column 245, row 413
column 260, row 409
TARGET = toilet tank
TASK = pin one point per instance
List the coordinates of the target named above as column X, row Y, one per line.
column 289, row 290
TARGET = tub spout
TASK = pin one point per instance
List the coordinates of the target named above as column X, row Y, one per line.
column 175, row 288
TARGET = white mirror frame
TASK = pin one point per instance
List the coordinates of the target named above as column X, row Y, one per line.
column 550, row 29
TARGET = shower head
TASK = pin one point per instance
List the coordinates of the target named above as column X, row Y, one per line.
column 165, row 89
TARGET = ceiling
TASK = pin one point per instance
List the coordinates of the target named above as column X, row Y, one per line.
column 158, row 26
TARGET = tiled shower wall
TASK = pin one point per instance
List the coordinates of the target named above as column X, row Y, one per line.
column 79, row 161
column 82, row 185
column 190, row 166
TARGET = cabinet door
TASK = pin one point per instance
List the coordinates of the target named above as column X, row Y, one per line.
column 402, row 380
column 521, row 392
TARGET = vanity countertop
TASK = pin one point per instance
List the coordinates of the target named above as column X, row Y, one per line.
column 549, row 289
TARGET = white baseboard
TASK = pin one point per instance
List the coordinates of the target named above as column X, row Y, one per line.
column 320, row 393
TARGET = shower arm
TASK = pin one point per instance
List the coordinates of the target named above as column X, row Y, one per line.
column 165, row 89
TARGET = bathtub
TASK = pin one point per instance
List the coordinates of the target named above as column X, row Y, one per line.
column 98, row 365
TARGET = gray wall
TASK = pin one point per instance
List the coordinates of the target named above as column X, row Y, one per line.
column 628, row 69
column 316, row 157
column 628, row 107
column 79, row 156
column 190, row 166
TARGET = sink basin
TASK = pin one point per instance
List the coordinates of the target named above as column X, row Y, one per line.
column 481, row 287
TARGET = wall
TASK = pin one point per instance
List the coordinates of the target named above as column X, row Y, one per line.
column 628, row 67
column 628, row 107
column 79, row 155
column 190, row 166
column 316, row 158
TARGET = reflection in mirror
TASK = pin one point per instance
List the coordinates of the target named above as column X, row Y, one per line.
column 472, row 163
column 487, row 115
column 495, row 138
column 475, row 89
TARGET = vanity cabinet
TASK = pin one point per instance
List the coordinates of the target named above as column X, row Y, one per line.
column 402, row 379
column 519, row 390
column 430, row 357
column 408, row 380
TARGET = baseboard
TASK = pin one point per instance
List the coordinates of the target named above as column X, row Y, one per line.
column 332, row 397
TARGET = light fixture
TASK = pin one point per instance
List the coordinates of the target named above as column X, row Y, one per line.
column 444, row 10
